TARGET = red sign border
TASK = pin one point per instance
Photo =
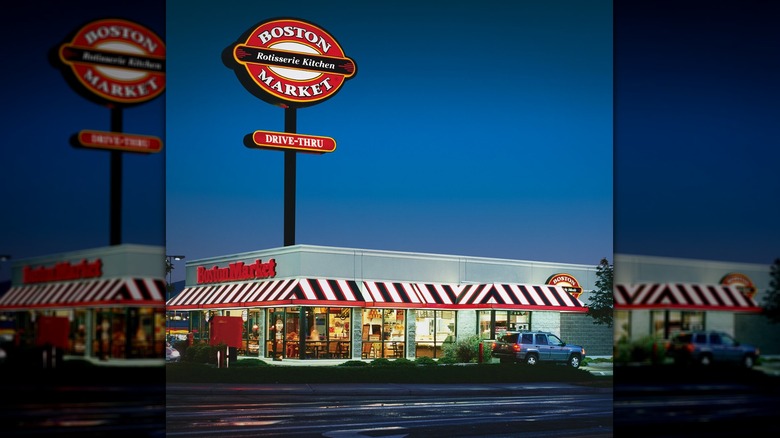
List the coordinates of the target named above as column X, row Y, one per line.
column 260, row 145
column 90, row 145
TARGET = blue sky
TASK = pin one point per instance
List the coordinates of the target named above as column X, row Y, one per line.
column 697, row 139
column 481, row 131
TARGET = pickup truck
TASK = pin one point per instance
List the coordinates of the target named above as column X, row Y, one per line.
column 532, row 347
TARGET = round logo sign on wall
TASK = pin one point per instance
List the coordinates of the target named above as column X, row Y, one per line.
column 115, row 61
column 289, row 62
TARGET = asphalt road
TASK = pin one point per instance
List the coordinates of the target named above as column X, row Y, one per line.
column 93, row 402
column 692, row 401
column 389, row 410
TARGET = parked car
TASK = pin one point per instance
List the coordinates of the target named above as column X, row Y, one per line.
column 171, row 354
column 532, row 347
column 711, row 347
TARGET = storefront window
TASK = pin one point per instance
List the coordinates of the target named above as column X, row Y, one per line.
column 494, row 323
column 485, row 324
column 275, row 330
column 309, row 332
column 339, row 335
column 434, row 329
column 253, row 333
column 519, row 320
column 622, row 325
column 667, row 323
column 384, row 333
column 78, row 333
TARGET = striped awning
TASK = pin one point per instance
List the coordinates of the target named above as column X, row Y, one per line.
column 110, row 292
column 410, row 295
column 302, row 291
column 518, row 296
column 684, row 296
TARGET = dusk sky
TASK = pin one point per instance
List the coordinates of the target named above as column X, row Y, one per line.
column 468, row 130
column 479, row 129
column 55, row 197
column 697, row 138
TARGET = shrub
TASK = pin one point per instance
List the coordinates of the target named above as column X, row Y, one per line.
column 643, row 350
column 354, row 363
column 465, row 351
column 202, row 353
column 380, row 362
column 243, row 363
column 425, row 361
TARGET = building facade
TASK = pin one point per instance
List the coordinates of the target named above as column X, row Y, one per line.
column 306, row 301
column 658, row 297
column 101, row 303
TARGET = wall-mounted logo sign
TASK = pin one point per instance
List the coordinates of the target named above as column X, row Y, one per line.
column 115, row 61
column 741, row 281
column 236, row 272
column 282, row 140
column 63, row 271
column 289, row 62
column 567, row 281
column 119, row 141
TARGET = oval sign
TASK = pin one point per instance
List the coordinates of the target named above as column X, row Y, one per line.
column 290, row 62
column 116, row 61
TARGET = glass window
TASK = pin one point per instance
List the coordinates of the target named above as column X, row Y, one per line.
column 434, row 329
column 622, row 325
column 667, row 323
column 384, row 333
column 494, row 323
column 541, row 339
column 519, row 320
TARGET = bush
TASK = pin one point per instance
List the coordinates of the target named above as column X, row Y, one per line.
column 248, row 363
column 425, row 361
column 644, row 350
column 354, row 363
column 465, row 351
column 202, row 353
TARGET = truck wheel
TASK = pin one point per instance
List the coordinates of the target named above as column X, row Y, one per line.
column 748, row 361
column 574, row 361
column 705, row 360
column 531, row 359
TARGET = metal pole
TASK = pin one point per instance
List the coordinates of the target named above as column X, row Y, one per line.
column 116, row 182
column 290, row 122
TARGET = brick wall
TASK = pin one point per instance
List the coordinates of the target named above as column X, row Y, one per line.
column 578, row 328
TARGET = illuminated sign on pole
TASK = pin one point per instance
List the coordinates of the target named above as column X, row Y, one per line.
column 290, row 62
column 282, row 140
column 119, row 141
column 115, row 61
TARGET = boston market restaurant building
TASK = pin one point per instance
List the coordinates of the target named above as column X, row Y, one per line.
column 311, row 302
column 658, row 297
column 102, row 303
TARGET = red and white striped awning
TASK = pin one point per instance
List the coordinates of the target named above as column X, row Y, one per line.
column 518, row 296
column 110, row 292
column 684, row 296
column 303, row 291
column 410, row 295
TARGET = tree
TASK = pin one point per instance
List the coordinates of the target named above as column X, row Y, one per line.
column 602, row 299
column 772, row 298
column 168, row 286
